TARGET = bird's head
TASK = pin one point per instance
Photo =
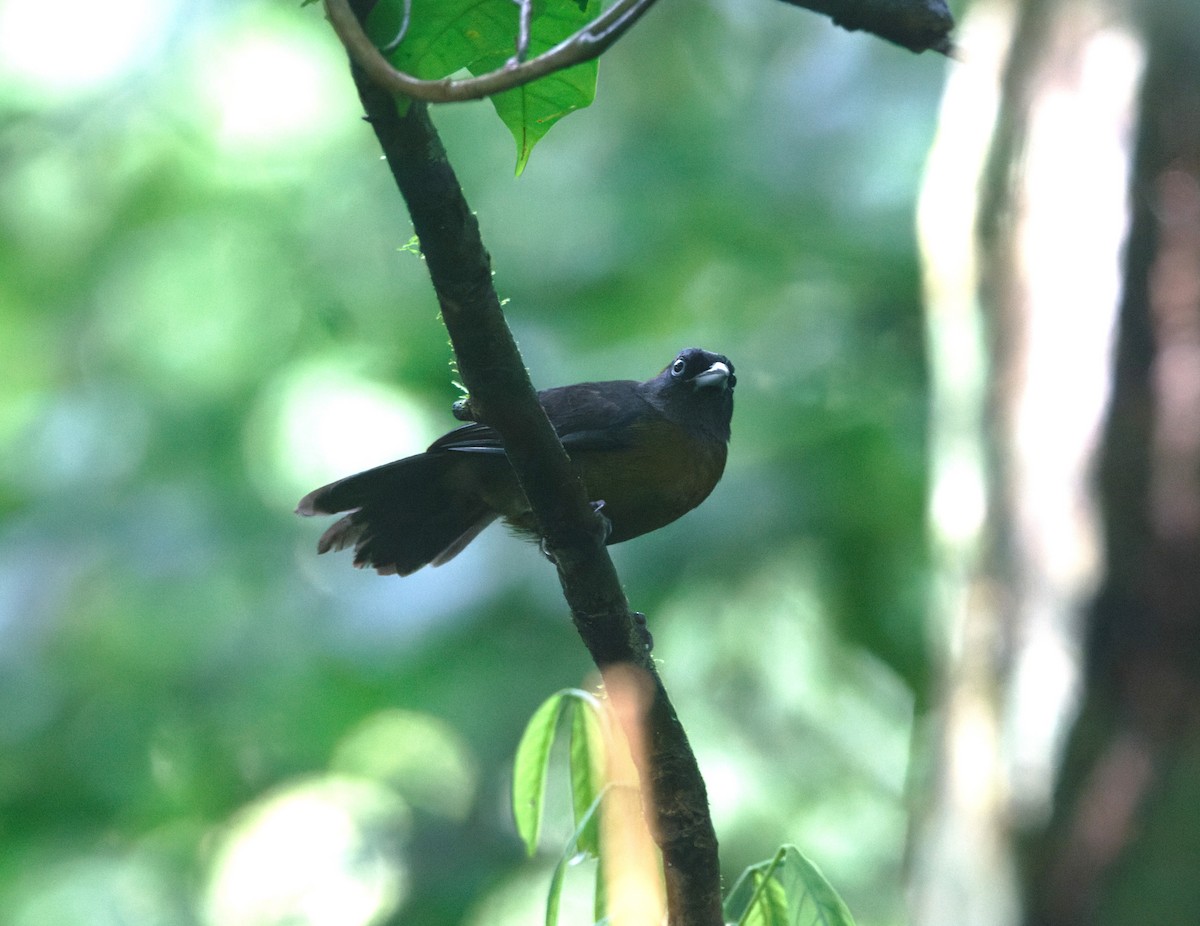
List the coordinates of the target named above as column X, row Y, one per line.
column 697, row 386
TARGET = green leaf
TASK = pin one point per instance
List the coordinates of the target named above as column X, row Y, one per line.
column 446, row 36
column 769, row 907
column 787, row 890
column 571, row 852
column 530, row 111
column 744, row 895
column 443, row 36
column 587, row 767
column 532, row 762
column 600, row 901
column 530, row 770
column 811, row 898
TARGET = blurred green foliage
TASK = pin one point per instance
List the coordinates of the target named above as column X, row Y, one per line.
column 206, row 311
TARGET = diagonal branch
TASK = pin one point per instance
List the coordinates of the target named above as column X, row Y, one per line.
column 501, row 393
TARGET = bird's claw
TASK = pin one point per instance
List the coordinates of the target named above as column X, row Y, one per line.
column 605, row 524
column 605, row 530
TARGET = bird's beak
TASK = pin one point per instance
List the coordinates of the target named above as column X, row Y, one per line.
column 716, row 375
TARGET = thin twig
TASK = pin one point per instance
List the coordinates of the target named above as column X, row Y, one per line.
column 916, row 24
column 524, row 22
column 589, row 42
column 405, row 19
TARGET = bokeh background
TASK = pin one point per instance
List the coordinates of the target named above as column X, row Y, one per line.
column 208, row 307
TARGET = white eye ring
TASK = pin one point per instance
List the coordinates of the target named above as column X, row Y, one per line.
column 678, row 367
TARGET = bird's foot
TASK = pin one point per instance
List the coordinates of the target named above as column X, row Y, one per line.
column 605, row 530
column 605, row 523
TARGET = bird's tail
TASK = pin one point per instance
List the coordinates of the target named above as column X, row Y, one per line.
column 402, row 515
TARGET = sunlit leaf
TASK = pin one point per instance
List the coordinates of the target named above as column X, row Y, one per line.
column 600, row 901
column 531, row 765
column 811, row 898
column 531, row 110
column 447, row 36
column 571, row 852
column 770, row 906
column 787, row 890
column 587, row 768
column 530, row 769
column 743, row 897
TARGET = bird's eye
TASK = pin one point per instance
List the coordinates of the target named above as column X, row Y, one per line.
column 678, row 367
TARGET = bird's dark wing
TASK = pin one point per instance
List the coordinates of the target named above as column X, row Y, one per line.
column 587, row 416
column 594, row 416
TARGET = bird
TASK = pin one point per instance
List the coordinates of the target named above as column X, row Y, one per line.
column 647, row 452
